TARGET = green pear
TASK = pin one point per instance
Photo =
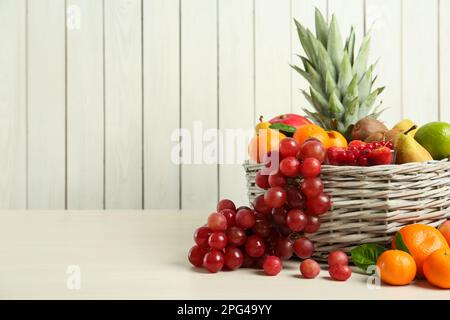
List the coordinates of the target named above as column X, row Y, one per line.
column 409, row 150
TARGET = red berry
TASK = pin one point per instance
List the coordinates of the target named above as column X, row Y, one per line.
column 390, row 145
column 230, row 215
column 296, row 220
column 283, row 248
column 217, row 222
column 341, row 157
column 309, row 268
column 318, row 205
column 340, row 272
column 196, row 255
column 272, row 265
column 380, row 156
column 262, row 228
column 236, row 236
column 214, row 261
column 275, row 197
column 332, row 155
column 290, row 167
column 312, row 149
column 310, row 168
column 279, row 215
column 311, row 187
column 294, row 198
column 350, row 158
column 356, row 143
column 312, row 224
column 245, row 219
column 303, row 248
column 234, row 258
column 255, row 246
column 277, row 180
column 363, row 161
column 217, row 240
column 260, row 205
column 262, row 180
column 201, row 236
column 337, row 257
column 288, row 147
column 225, row 204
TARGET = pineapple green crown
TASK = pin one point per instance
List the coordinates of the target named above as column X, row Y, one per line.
column 340, row 82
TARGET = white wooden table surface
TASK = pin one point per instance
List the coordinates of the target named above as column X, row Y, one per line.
column 142, row 255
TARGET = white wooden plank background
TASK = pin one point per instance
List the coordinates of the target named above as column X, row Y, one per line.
column 85, row 104
column 13, row 185
column 46, row 104
column 138, row 70
column 123, row 104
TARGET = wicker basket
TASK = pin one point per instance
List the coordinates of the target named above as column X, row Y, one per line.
column 369, row 204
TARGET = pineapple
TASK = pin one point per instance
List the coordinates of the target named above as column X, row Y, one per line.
column 340, row 83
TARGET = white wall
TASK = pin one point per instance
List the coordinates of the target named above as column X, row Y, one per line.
column 86, row 114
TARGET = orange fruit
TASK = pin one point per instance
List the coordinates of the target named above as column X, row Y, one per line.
column 445, row 230
column 266, row 141
column 312, row 131
column 396, row 267
column 437, row 268
column 337, row 139
column 421, row 241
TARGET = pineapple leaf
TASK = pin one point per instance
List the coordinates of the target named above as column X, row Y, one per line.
column 365, row 85
column 315, row 117
column 325, row 63
column 304, row 37
column 350, row 45
column 309, row 99
column 345, row 74
column 330, row 85
column 351, row 115
column 336, row 107
column 312, row 77
column 351, row 92
column 366, row 106
column 360, row 64
column 321, row 27
column 319, row 102
column 334, row 44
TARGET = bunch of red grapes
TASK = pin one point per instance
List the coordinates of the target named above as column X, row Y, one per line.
column 274, row 228
column 359, row 153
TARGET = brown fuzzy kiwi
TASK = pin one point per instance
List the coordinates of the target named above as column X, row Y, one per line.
column 367, row 126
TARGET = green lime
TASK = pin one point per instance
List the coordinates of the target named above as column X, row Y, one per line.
column 435, row 137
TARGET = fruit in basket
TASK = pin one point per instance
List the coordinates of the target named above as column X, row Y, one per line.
column 337, row 139
column 420, row 241
column 312, row 149
column 360, row 153
column 396, row 267
column 380, row 156
column 436, row 268
column 435, row 138
column 262, row 125
column 289, row 147
column 409, row 150
column 366, row 127
column 312, row 131
column 445, row 230
column 340, row 80
column 404, row 125
column 290, row 119
column 267, row 141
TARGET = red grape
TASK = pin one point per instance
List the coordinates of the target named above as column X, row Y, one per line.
column 277, row 180
column 294, row 198
column 311, row 187
column 234, row 258
column 279, row 215
column 201, row 236
column 214, row 261
column 260, row 205
column 337, row 257
column 217, row 240
column 272, row 265
column 312, row 149
column 225, row 204
column 249, row 262
column 284, row 230
column 312, row 224
column 236, row 236
column 340, row 272
column 275, row 197
column 288, row 147
column 262, row 180
column 217, row 222
column 262, row 228
column 245, row 219
column 196, row 255
column 255, row 246
column 290, row 167
column 283, row 248
column 296, row 220
column 230, row 215
column 310, row 168
column 309, row 268
column 243, row 207
column 260, row 261
column 303, row 248
column 318, row 205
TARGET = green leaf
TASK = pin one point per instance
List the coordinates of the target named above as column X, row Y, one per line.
column 345, row 75
column 282, row 127
column 366, row 106
column 321, row 27
column 365, row 85
column 351, row 92
column 315, row 117
column 312, row 76
column 350, row 45
column 305, row 40
column 351, row 114
column 336, row 107
column 319, row 101
column 366, row 255
column 330, row 85
column 334, row 44
column 360, row 65
column 400, row 244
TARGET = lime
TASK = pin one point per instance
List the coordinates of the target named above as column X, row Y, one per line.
column 435, row 137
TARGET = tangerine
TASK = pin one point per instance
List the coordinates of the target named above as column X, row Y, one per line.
column 437, row 268
column 266, row 141
column 396, row 267
column 312, row 131
column 337, row 139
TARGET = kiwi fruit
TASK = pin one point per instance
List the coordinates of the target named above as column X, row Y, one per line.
column 366, row 127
